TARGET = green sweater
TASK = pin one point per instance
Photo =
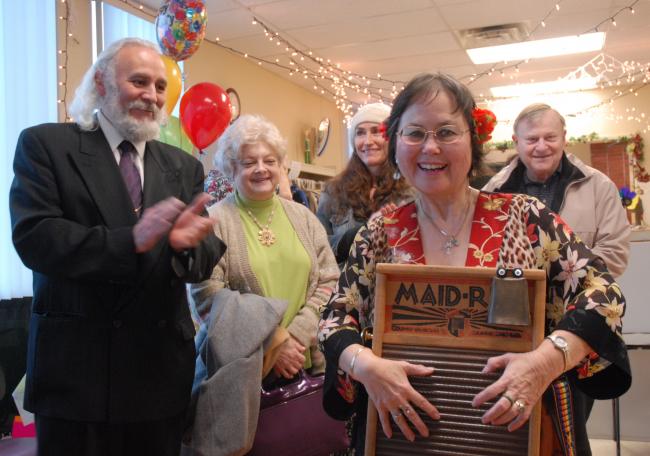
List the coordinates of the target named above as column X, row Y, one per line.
column 236, row 270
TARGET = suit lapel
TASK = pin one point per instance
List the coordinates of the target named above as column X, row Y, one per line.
column 161, row 178
column 161, row 181
column 99, row 170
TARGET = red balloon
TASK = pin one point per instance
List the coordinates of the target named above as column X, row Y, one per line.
column 205, row 113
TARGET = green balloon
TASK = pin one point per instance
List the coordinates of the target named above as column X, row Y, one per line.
column 173, row 134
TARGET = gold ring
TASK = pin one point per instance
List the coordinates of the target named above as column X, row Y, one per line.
column 511, row 400
column 520, row 405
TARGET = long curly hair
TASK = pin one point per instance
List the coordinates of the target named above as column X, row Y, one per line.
column 350, row 189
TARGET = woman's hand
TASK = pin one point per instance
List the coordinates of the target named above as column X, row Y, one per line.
column 291, row 358
column 389, row 389
column 525, row 378
column 284, row 184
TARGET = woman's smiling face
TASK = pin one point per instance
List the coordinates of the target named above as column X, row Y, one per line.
column 431, row 168
column 257, row 171
column 370, row 145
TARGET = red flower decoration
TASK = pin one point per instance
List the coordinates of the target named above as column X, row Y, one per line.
column 383, row 129
column 485, row 121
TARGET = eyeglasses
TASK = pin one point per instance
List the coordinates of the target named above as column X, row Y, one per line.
column 416, row 136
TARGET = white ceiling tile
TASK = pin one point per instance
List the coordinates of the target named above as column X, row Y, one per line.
column 412, row 64
column 290, row 14
column 410, row 23
column 481, row 13
column 398, row 47
column 214, row 8
column 232, row 24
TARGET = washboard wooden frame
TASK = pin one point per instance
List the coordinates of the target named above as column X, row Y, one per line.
column 427, row 312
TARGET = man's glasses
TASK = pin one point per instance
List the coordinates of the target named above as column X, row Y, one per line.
column 416, row 136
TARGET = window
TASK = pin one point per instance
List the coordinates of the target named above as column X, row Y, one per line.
column 118, row 24
column 28, row 94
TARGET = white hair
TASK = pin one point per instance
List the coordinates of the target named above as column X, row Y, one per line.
column 248, row 129
column 86, row 98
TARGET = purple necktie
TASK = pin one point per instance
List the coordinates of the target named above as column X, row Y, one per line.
column 131, row 174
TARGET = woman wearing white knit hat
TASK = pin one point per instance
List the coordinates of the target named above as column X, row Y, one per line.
column 368, row 182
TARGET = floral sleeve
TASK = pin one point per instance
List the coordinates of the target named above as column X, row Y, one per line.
column 347, row 312
column 583, row 298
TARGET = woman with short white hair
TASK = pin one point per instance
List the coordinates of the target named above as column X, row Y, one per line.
column 277, row 251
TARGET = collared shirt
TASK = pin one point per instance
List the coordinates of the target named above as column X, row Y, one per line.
column 543, row 191
column 114, row 139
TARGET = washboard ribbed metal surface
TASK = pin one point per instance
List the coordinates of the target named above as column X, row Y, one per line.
column 457, row 379
column 437, row 316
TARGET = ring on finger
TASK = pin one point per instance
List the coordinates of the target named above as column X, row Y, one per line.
column 520, row 405
column 508, row 398
column 396, row 415
column 406, row 409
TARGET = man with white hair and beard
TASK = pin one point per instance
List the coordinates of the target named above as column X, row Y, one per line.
column 111, row 223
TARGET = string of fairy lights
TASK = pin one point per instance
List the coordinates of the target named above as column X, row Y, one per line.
column 501, row 69
column 329, row 79
column 63, row 15
column 611, row 74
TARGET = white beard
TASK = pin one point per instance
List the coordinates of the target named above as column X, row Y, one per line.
column 132, row 129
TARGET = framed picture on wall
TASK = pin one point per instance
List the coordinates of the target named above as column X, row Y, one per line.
column 235, row 104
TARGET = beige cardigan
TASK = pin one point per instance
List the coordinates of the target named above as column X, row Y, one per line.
column 234, row 270
column 593, row 210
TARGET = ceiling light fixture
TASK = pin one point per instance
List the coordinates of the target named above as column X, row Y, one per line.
column 538, row 48
column 535, row 88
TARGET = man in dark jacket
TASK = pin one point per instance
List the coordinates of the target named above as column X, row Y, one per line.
column 110, row 222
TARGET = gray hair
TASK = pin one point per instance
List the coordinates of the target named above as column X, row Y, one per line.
column 86, row 98
column 247, row 129
column 533, row 111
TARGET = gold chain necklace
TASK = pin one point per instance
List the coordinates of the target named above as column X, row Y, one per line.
column 264, row 235
column 451, row 240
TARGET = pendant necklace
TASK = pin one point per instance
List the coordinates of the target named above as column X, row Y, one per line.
column 451, row 241
column 264, row 235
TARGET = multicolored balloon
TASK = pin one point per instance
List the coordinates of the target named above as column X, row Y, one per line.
column 180, row 27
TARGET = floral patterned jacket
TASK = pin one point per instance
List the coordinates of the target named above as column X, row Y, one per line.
column 507, row 231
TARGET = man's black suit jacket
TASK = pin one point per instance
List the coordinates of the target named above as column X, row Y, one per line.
column 111, row 338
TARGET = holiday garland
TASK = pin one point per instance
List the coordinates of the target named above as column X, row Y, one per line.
column 633, row 148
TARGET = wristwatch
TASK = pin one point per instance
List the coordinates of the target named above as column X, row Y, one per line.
column 561, row 344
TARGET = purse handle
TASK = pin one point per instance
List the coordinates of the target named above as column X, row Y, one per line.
column 302, row 384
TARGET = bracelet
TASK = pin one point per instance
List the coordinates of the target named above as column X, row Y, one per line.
column 353, row 361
